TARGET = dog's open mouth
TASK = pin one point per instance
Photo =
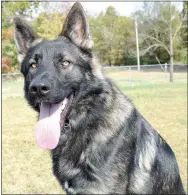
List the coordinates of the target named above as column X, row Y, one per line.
column 51, row 121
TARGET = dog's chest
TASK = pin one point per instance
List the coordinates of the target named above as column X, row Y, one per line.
column 68, row 188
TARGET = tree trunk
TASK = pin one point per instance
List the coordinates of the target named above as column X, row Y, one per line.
column 109, row 61
column 171, row 68
column 137, row 46
column 171, row 48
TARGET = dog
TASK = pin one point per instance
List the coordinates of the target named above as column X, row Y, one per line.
column 99, row 142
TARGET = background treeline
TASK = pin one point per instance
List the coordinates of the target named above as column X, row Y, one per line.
column 160, row 26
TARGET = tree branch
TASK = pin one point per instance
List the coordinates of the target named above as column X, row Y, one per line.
column 150, row 47
column 179, row 27
column 160, row 42
column 159, row 62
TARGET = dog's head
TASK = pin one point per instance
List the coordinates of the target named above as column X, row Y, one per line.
column 54, row 71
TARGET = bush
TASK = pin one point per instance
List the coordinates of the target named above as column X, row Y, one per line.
column 9, row 54
column 7, row 34
column 6, row 64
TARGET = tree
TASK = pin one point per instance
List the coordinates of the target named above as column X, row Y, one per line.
column 49, row 22
column 41, row 16
column 9, row 51
column 57, row 7
column 49, row 25
column 184, row 30
column 110, row 33
column 10, row 9
column 159, row 26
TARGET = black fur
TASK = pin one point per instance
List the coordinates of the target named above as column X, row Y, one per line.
column 109, row 147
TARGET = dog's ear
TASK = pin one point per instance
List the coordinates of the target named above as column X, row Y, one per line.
column 23, row 36
column 76, row 27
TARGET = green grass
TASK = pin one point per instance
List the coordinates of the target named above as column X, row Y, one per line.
column 26, row 169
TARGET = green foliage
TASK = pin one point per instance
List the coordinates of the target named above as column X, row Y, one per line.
column 10, row 9
column 49, row 25
column 10, row 52
column 110, row 33
column 184, row 30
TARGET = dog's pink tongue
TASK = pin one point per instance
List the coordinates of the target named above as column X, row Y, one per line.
column 47, row 130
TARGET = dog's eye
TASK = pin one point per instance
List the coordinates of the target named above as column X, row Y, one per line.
column 34, row 65
column 65, row 63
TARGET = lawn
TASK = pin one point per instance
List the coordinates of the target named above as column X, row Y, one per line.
column 27, row 168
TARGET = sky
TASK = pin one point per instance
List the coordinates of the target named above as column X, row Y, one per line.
column 94, row 8
column 123, row 8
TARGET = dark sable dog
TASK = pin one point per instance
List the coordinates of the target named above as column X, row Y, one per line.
column 100, row 143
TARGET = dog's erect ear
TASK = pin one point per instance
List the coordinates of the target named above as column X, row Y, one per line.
column 76, row 27
column 23, row 36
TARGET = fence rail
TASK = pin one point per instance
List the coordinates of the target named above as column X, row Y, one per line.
column 134, row 66
column 182, row 67
column 147, row 73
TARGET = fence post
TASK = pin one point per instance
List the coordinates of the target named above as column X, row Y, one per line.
column 166, row 77
column 129, row 74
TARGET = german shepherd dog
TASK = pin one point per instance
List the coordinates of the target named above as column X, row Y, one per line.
column 100, row 143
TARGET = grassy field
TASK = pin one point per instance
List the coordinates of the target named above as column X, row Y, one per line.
column 27, row 168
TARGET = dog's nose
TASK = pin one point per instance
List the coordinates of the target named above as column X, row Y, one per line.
column 40, row 88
